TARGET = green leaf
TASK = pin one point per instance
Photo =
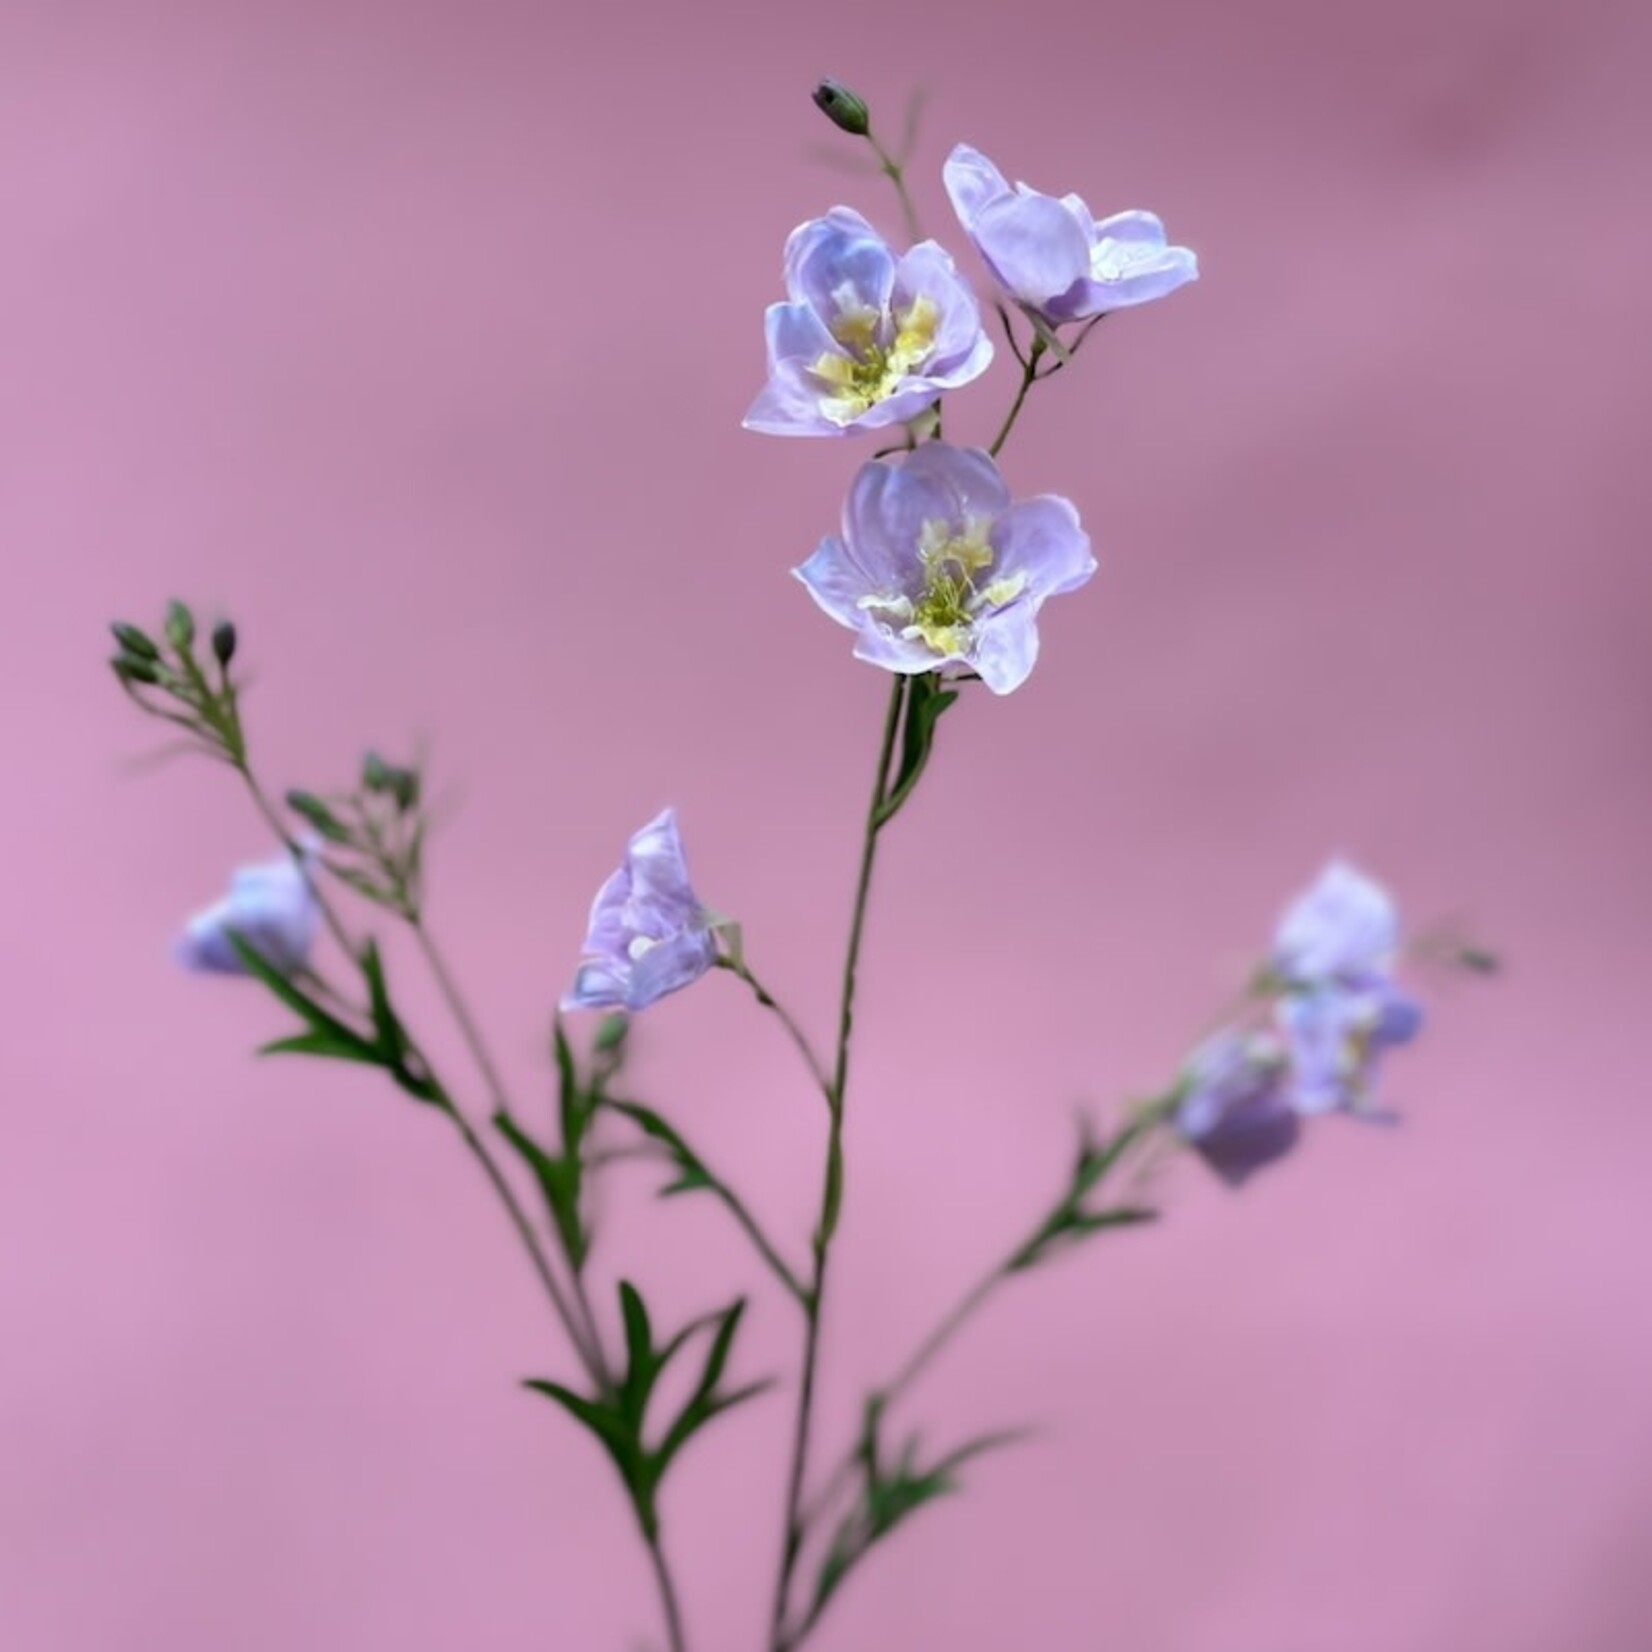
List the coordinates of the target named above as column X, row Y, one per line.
column 926, row 702
column 558, row 1182
column 641, row 1364
column 329, row 1037
column 615, row 1436
column 887, row 1499
column 320, row 1042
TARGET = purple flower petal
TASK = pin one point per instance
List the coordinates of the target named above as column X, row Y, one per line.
column 1051, row 256
column 272, row 908
column 865, row 342
column 936, row 566
column 649, row 935
column 1343, row 928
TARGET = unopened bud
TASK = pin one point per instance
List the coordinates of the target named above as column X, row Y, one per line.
column 135, row 642
column 611, row 1034
column 310, row 807
column 223, row 642
column 132, row 670
column 845, row 109
column 180, row 625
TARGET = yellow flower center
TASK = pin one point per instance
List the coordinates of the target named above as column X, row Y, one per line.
column 944, row 612
column 869, row 372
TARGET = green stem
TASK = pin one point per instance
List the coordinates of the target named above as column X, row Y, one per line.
column 832, row 1193
column 1029, row 374
column 798, row 1037
column 675, row 1638
column 894, row 172
column 590, row 1358
column 589, row 1340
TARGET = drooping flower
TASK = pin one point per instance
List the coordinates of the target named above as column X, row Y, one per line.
column 1334, row 953
column 649, row 935
column 271, row 908
column 1236, row 1109
column 865, row 339
column 936, row 566
column 1051, row 255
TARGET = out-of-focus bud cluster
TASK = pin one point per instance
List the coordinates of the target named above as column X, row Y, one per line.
column 164, row 677
column 373, row 835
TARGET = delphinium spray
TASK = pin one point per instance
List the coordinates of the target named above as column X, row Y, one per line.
column 939, row 570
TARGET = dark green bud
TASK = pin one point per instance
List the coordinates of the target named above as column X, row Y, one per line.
column 845, row 109
column 1480, row 961
column 387, row 779
column 135, row 642
column 310, row 808
column 133, row 670
column 180, row 625
column 223, row 642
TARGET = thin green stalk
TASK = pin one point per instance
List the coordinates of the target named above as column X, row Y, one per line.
column 832, row 1194
column 895, row 173
column 540, row 1263
column 1029, row 376
column 675, row 1639
column 817, row 1069
column 590, row 1338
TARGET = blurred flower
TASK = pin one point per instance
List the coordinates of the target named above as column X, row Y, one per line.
column 1334, row 954
column 936, row 566
column 271, row 908
column 1236, row 1106
column 1336, row 1037
column 865, row 340
column 649, row 935
column 1051, row 256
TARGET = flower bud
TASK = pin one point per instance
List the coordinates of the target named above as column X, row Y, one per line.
column 223, row 642
column 135, row 642
column 845, row 109
column 317, row 814
column 180, row 625
column 612, row 1031
column 375, row 773
column 130, row 669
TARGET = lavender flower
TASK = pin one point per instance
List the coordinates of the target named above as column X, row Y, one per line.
column 1051, row 256
column 1236, row 1107
column 1334, row 953
column 865, row 339
column 271, row 908
column 936, row 566
column 649, row 935
column 1336, row 1039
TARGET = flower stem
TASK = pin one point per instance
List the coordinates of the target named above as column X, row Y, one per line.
column 793, row 1031
column 676, row 1641
column 1029, row 373
column 896, row 174
column 589, row 1358
column 589, row 1339
column 832, row 1194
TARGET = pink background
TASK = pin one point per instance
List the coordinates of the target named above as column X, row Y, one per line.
column 417, row 337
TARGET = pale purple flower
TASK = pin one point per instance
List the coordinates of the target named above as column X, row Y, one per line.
column 1336, row 1037
column 1051, row 256
column 937, row 567
column 865, row 339
column 649, row 935
column 272, row 908
column 1236, row 1108
column 1334, row 953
